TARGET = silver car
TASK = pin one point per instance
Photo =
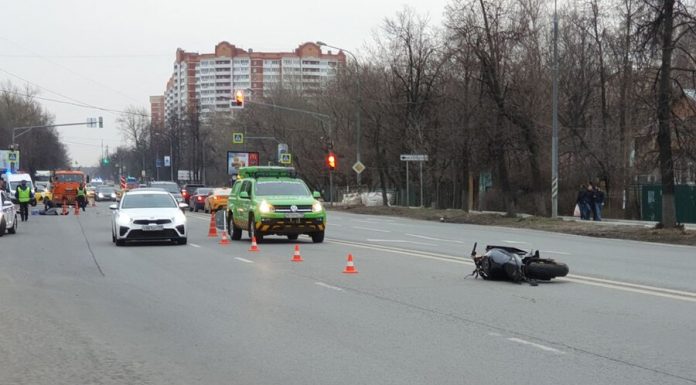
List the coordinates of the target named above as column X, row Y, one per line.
column 8, row 214
column 148, row 214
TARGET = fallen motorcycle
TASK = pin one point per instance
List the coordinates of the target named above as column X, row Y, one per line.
column 516, row 265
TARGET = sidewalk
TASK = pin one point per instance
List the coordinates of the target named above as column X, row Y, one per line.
column 604, row 221
column 626, row 222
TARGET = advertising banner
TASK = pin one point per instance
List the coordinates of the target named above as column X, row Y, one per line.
column 237, row 159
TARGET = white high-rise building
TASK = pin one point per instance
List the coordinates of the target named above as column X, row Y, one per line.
column 207, row 82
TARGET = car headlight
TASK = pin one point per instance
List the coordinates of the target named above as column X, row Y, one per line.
column 317, row 207
column 179, row 218
column 265, row 207
column 101, row 195
column 124, row 218
column 113, row 195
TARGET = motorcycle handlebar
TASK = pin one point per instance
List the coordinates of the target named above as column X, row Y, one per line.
column 473, row 251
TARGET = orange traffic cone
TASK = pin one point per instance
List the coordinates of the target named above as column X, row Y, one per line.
column 65, row 207
column 296, row 257
column 350, row 267
column 212, row 231
column 224, row 240
column 254, row 246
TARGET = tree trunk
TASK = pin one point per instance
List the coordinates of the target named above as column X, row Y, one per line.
column 664, row 134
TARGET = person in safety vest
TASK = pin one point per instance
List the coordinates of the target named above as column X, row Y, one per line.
column 24, row 197
column 82, row 196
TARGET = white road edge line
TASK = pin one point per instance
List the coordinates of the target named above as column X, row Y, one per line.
column 640, row 291
column 326, row 285
column 516, row 242
column 243, row 260
column 194, row 245
column 538, row 346
column 371, row 229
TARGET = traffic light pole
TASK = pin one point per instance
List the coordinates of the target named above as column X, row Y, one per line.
column 29, row 128
column 331, row 187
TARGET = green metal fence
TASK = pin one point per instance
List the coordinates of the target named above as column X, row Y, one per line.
column 684, row 200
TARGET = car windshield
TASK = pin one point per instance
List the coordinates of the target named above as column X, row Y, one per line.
column 77, row 178
column 168, row 187
column 143, row 201
column 13, row 185
column 105, row 190
column 281, row 188
column 203, row 191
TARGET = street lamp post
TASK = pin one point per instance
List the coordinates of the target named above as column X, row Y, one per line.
column 357, row 112
column 554, row 140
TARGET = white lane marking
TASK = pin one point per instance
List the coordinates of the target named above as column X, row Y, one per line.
column 400, row 241
column 326, row 285
column 194, row 245
column 439, row 239
column 425, row 237
column 243, row 260
column 371, row 229
column 538, row 346
column 616, row 285
column 516, row 242
column 554, row 252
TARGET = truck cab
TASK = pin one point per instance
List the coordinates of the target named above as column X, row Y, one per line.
column 64, row 185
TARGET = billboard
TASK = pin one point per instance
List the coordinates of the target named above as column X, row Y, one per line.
column 9, row 160
column 237, row 159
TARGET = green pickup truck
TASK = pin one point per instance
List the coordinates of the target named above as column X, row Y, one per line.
column 273, row 200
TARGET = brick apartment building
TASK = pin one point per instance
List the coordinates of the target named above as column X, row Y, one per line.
column 207, row 81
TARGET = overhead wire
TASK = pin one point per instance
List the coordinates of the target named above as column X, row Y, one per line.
column 88, row 106
column 68, row 69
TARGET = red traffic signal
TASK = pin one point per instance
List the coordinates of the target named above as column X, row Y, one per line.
column 239, row 99
column 331, row 161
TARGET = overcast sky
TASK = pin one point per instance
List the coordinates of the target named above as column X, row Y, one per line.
column 113, row 54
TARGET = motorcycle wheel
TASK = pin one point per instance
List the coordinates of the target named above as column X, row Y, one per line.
column 545, row 271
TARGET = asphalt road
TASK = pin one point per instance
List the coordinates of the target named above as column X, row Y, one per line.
column 76, row 309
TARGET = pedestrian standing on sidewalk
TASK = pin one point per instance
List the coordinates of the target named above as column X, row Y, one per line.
column 598, row 203
column 583, row 203
column 591, row 200
column 24, row 195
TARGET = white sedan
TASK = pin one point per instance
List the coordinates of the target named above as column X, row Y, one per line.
column 8, row 214
column 148, row 214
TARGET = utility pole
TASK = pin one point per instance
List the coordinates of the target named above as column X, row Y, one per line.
column 554, row 141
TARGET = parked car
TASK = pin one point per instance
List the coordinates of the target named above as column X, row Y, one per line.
column 197, row 199
column 217, row 200
column 8, row 214
column 148, row 214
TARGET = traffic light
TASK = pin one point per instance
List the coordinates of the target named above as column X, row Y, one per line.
column 331, row 161
column 239, row 99
column 105, row 161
